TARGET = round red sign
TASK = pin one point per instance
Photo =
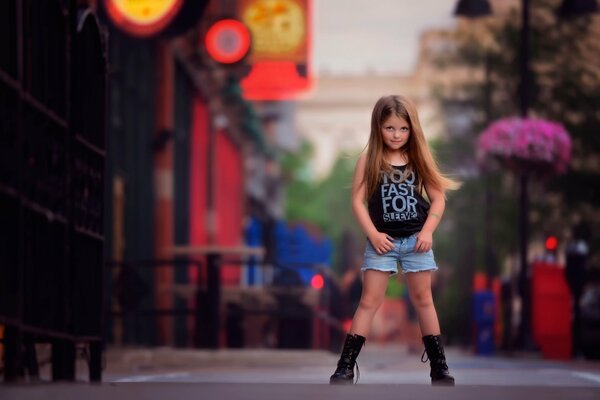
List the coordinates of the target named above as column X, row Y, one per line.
column 228, row 41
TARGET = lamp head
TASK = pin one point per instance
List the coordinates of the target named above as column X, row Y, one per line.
column 472, row 8
column 577, row 8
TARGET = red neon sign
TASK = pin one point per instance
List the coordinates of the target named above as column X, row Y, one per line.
column 228, row 41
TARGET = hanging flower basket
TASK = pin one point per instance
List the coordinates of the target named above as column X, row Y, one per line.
column 532, row 144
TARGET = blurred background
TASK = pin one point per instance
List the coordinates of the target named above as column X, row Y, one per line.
column 177, row 173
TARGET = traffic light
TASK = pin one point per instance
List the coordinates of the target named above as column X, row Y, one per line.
column 551, row 244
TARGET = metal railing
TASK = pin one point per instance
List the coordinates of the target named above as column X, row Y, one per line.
column 203, row 313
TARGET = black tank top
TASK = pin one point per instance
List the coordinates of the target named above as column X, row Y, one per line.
column 397, row 206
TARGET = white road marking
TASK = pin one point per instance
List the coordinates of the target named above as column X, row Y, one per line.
column 150, row 378
column 588, row 376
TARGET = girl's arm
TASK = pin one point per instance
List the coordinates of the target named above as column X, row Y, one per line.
column 381, row 242
column 438, row 204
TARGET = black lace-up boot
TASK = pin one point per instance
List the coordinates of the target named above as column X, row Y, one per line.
column 344, row 374
column 437, row 360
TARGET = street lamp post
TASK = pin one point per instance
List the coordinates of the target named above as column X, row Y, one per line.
column 524, row 334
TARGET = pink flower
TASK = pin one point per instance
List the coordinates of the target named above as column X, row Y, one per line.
column 526, row 142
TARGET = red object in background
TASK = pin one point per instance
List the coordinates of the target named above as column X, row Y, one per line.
column 198, row 177
column 498, row 321
column 317, row 282
column 347, row 324
column 480, row 281
column 228, row 196
column 278, row 72
column 227, row 41
column 275, row 80
column 198, row 199
column 229, row 202
column 551, row 311
column 551, row 243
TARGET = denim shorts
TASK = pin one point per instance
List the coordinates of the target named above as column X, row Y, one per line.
column 403, row 256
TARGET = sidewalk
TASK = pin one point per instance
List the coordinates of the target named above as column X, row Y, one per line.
column 121, row 361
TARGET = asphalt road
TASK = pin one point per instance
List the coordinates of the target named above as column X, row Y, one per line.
column 385, row 373
column 266, row 391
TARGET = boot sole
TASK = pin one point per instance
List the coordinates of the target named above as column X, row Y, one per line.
column 442, row 383
column 341, row 382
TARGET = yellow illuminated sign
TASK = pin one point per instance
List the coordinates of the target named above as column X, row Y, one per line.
column 279, row 28
column 142, row 17
column 145, row 11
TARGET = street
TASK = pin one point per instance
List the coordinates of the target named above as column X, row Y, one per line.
column 387, row 372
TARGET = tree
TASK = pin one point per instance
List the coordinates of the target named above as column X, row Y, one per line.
column 565, row 63
column 324, row 203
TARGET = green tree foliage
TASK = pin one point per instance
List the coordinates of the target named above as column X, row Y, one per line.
column 324, row 203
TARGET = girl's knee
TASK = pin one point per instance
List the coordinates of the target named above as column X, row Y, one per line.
column 370, row 302
column 422, row 298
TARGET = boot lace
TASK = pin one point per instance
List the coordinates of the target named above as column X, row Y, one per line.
column 438, row 356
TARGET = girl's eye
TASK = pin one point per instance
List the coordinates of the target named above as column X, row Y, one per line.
column 404, row 129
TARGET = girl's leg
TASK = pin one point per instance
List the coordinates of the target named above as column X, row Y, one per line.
column 373, row 292
column 372, row 296
column 419, row 289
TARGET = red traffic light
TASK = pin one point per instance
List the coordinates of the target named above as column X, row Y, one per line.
column 551, row 243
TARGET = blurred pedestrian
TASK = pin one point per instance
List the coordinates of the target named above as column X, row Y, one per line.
column 390, row 177
column 575, row 273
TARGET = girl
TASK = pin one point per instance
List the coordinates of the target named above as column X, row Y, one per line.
column 399, row 224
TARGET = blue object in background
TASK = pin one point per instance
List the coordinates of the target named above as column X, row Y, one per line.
column 253, row 236
column 483, row 318
column 485, row 340
column 484, row 307
column 295, row 248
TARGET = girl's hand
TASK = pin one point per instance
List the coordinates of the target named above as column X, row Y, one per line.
column 424, row 242
column 381, row 242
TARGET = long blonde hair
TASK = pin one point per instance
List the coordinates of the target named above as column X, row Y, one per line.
column 419, row 156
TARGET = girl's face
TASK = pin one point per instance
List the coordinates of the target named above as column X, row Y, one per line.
column 395, row 131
